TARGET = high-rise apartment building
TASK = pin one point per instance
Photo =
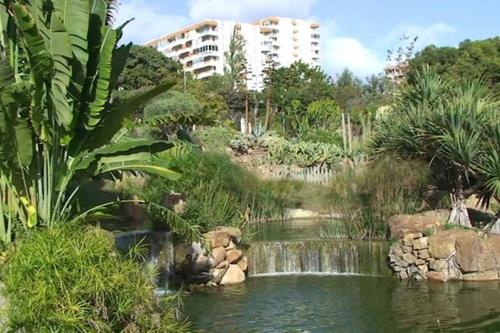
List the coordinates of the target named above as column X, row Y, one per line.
column 201, row 47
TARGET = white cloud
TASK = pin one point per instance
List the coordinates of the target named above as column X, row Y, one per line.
column 248, row 10
column 346, row 52
column 426, row 34
column 149, row 21
column 341, row 52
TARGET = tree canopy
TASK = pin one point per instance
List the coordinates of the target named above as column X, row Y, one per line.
column 478, row 59
column 146, row 66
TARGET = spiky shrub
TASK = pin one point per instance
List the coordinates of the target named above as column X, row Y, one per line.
column 59, row 63
column 453, row 126
column 71, row 279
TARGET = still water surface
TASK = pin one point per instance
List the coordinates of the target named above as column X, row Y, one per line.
column 316, row 303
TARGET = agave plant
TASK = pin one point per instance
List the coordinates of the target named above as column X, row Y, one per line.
column 59, row 63
column 446, row 123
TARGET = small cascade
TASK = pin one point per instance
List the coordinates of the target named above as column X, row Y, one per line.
column 159, row 245
column 318, row 256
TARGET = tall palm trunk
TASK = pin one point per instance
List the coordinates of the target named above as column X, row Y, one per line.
column 268, row 109
column 459, row 214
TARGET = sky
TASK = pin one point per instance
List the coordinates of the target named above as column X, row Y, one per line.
column 355, row 34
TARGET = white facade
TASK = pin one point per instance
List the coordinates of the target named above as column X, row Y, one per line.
column 201, row 47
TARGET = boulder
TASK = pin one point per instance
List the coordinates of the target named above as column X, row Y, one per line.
column 219, row 254
column 423, row 254
column 426, row 222
column 419, row 262
column 233, row 232
column 233, row 275
column 407, row 249
column 409, row 258
column 494, row 245
column 474, row 253
column 481, row 276
column 420, row 243
column 409, row 238
column 438, row 276
column 442, row 245
column 396, row 250
column 217, row 238
column 438, row 265
column 218, row 274
column 233, row 256
column 243, row 264
column 231, row 245
column 223, row 264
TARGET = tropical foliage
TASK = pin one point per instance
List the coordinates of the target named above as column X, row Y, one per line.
column 479, row 59
column 58, row 124
column 453, row 126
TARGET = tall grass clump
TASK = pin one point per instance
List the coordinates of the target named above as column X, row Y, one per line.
column 366, row 196
column 71, row 279
column 219, row 192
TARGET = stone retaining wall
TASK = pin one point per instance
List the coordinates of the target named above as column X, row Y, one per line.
column 457, row 254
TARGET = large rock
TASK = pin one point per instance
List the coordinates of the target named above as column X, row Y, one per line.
column 219, row 254
column 420, row 243
column 442, row 245
column 425, row 222
column 243, row 264
column 233, row 275
column 217, row 238
column 474, row 253
column 233, row 232
column 218, row 274
column 481, row 276
column 233, row 256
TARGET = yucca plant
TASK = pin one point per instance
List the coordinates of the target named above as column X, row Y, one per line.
column 446, row 123
column 59, row 63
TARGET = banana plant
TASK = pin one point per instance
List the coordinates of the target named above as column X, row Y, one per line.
column 59, row 64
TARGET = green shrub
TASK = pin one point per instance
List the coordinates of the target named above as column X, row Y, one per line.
column 216, row 138
column 367, row 195
column 218, row 191
column 71, row 279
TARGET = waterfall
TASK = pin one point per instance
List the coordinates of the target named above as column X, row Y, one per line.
column 160, row 250
column 318, row 256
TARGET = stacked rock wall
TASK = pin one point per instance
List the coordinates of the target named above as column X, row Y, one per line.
column 456, row 254
column 217, row 262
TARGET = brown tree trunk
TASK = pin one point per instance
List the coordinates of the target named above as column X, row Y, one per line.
column 459, row 214
column 268, row 109
column 247, row 116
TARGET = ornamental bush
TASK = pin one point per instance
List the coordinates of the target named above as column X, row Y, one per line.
column 71, row 279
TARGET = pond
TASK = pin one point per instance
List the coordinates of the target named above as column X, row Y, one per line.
column 309, row 303
column 300, row 282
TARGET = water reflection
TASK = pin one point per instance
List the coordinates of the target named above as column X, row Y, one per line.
column 346, row 304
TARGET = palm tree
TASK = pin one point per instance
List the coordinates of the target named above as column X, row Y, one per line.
column 59, row 64
column 445, row 123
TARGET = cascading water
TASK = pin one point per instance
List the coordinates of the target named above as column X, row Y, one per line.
column 160, row 250
column 318, row 256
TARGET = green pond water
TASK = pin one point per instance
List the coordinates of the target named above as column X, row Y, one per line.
column 310, row 303
column 300, row 282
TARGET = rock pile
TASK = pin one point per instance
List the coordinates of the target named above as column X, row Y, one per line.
column 220, row 262
column 410, row 257
column 443, row 255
